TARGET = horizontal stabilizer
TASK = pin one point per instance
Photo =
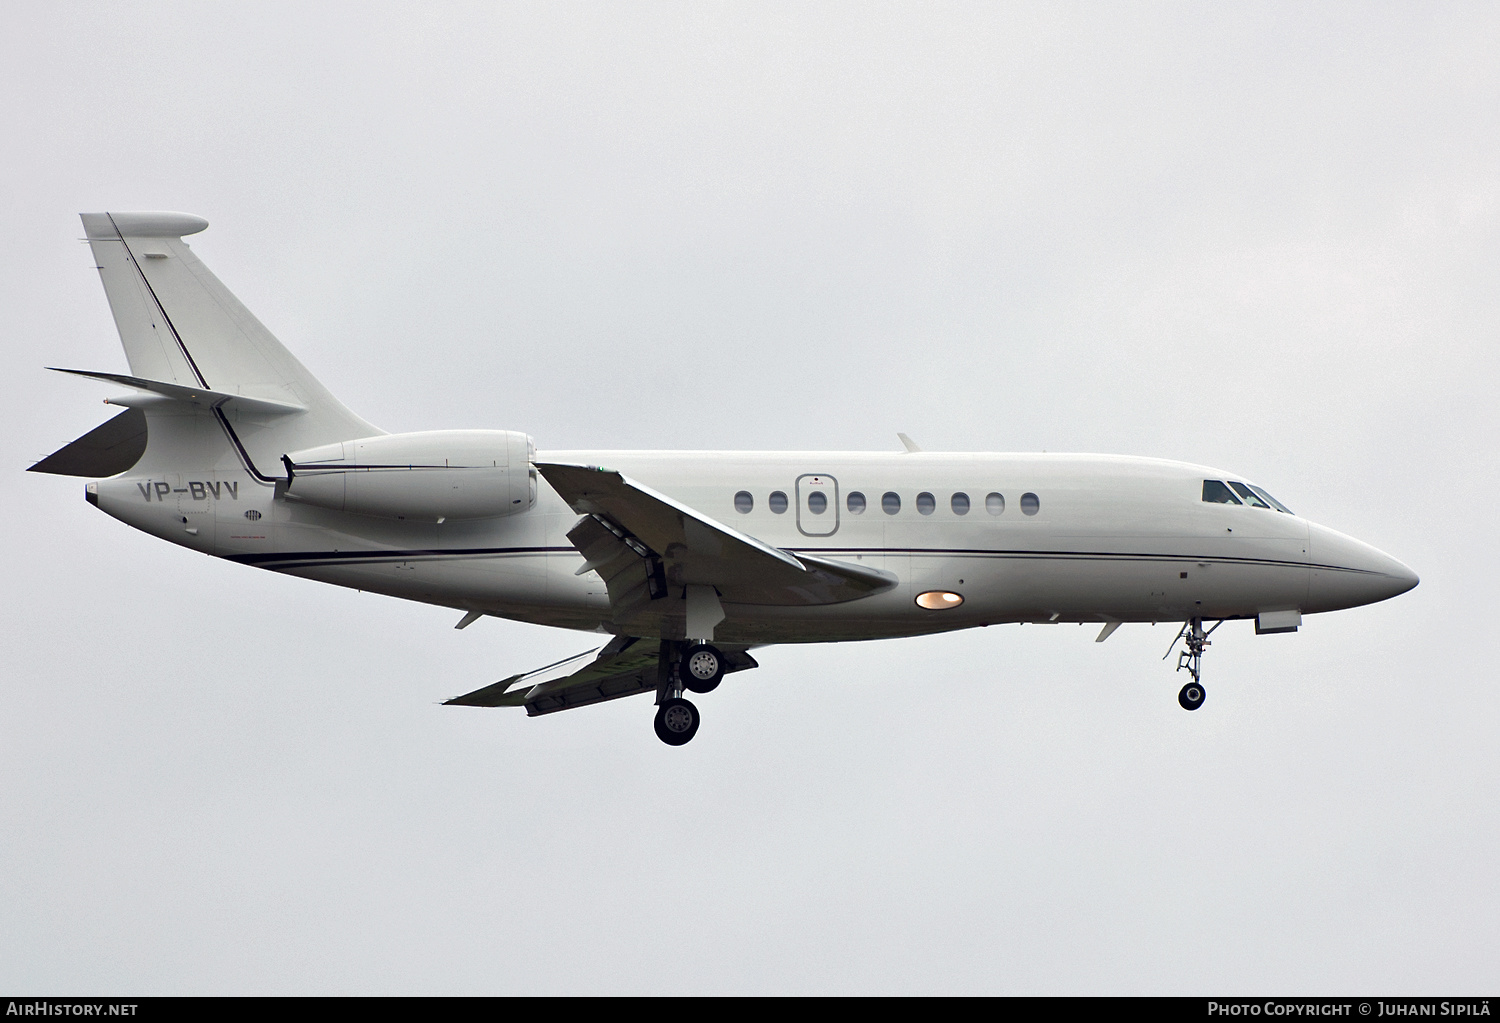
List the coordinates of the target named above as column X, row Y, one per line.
column 200, row 396
column 106, row 450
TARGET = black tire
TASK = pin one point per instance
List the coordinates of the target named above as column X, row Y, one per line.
column 701, row 668
column 676, row 722
column 1191, row 697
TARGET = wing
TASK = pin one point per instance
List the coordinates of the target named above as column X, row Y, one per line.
column 625, row 667
column 639, row 541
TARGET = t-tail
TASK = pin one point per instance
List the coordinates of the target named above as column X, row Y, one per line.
column 212, row 399
column 223, row 426
column 195, row 350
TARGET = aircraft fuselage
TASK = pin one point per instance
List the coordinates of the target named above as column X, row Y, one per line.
column 1020, row 537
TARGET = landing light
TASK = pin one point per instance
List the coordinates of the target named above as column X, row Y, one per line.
column 938, row 600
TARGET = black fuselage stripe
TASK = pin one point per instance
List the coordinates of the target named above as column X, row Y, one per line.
column 234, row 439
column 408, row 555
column 307, row 558
column 1221, row 559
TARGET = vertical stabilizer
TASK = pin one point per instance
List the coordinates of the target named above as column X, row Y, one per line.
column 180, row 325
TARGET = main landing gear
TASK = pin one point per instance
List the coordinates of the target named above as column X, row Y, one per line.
column 697, row 667
column 676, row 721
column 1194, row 641
column 701, row 668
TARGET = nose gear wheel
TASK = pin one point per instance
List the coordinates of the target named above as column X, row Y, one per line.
column 1191, row 696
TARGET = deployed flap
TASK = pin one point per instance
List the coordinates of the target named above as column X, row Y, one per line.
column 625, row 667
column 638, row 540
column 633, row 574
column 104, row 451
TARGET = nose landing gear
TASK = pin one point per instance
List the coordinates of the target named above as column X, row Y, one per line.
column 1194, row 642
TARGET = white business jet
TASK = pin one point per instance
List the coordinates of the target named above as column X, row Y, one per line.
column 686, row 560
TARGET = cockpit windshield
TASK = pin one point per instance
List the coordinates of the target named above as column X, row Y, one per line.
column 1248, row 495
column 1215, row 492
column 1274, row 503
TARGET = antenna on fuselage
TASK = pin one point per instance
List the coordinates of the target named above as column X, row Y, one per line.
column 908, row 443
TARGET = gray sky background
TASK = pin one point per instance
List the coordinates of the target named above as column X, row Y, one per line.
column 1261, row 236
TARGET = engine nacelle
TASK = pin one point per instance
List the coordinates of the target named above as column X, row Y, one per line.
column 437, row 474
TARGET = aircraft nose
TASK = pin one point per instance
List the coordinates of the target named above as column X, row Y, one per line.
column 1345, row 572
column 1403, row 577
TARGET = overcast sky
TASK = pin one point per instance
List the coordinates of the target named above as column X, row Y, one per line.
column 1259, row 236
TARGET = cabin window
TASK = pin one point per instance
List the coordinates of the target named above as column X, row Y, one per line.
column 890, row 502
column 960, row 504
column 743, row 502
column 926, row 503
column 777, row 502
column 1215, row 492
column 855, row 502
column 1249, row 496
column 817, row 502
column 1030, row 505
column 994, row 503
